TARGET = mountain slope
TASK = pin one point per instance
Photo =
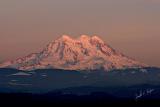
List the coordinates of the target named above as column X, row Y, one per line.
column 83, row 53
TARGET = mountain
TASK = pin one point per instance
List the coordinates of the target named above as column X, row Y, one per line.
column 83, row 53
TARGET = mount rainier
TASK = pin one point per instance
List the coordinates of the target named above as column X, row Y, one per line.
column 83, row 53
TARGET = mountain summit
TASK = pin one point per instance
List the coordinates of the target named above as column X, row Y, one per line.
column 83, row 53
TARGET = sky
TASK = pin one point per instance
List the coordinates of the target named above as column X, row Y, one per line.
column 130, row 26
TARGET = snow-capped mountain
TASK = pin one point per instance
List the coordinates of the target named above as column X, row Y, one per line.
column 83, row 53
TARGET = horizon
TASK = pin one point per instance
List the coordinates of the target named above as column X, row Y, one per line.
column 131, row 27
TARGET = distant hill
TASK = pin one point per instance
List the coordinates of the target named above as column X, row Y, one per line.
column 45, row 80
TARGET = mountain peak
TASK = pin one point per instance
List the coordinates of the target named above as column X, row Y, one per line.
column 66, row 38
column 96, row 38
column 84, row 38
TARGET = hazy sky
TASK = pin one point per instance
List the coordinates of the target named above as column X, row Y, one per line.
column 131, row 26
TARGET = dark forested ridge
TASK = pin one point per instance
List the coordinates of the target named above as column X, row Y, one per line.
column 53, row 86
